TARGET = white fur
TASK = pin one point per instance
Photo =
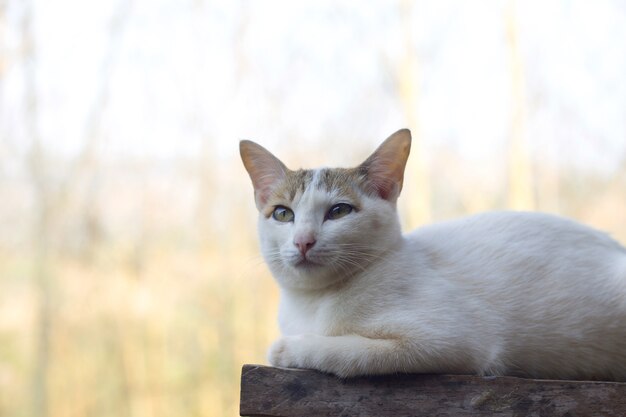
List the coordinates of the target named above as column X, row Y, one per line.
column 497, row 293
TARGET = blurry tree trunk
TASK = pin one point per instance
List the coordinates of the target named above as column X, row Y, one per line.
column 87, row 163
column 44, row 285
column 520, row 181
column 41, row 232
column 549, row 188
column 417, row 193
column 43, row 282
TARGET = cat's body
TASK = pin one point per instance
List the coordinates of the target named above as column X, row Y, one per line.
column 497, row 293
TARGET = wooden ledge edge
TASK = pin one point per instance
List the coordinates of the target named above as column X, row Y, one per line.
column 271, row 392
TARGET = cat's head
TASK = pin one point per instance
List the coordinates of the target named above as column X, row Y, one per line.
column 319, row 227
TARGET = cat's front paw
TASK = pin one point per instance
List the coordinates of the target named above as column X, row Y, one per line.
column 287, row 352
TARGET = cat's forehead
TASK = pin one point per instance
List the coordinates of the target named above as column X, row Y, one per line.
column 345, row 182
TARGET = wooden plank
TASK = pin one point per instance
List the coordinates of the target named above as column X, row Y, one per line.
column 267, row 391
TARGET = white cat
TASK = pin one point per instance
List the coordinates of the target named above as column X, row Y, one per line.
column 511, row 293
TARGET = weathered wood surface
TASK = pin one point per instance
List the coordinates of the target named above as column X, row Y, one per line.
column 267, row 391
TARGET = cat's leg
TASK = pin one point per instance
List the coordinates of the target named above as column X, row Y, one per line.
column 348, row 355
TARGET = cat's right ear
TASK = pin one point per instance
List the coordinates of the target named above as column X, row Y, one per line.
column 385, row 167
column 265, row 170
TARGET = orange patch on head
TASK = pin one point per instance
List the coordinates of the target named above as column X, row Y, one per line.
column 284, row 192
column 343, row 181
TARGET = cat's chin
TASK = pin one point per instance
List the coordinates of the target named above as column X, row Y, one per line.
column 307, row 274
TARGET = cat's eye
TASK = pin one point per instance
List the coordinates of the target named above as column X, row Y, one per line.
column 338, row 211
column 283, row 214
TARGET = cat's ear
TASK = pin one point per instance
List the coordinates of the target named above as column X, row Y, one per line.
column 265, row 170
column 385, row 167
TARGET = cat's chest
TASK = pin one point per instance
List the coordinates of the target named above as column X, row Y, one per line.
column 323, row 316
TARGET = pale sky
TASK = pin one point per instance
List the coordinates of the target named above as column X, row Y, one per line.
column 183, row 75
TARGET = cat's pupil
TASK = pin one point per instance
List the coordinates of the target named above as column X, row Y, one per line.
column 339, row 210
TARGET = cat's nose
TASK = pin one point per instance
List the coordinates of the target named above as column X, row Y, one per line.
column 304, row 243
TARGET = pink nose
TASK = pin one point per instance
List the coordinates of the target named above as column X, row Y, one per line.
column 304, row 243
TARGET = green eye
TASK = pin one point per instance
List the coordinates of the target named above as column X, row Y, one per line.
column 282, row 214
column 338, row 211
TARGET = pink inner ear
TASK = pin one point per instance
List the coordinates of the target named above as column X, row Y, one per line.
column 388, row 190
column 262, row 195
column 387, row 187
column 264, row 180
column 264, row 170
column 385, row 167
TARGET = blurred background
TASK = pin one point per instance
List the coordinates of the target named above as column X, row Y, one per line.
column 130, row 277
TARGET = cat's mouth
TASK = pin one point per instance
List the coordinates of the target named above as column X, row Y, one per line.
column 305, row 263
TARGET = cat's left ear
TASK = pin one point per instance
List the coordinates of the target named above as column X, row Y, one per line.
column 385, row 167
column 265, row 170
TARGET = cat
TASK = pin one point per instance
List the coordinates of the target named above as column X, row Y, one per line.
column 499, row 293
